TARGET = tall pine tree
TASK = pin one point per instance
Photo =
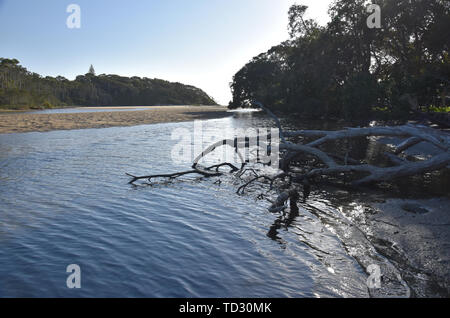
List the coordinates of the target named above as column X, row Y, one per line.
column 91, row 70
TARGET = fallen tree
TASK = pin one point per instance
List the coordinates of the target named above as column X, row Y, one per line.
column 291, row 177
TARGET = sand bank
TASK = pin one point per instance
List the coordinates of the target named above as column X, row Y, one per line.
column 26, row 122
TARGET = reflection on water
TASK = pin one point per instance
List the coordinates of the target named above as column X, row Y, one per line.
column 64, row 199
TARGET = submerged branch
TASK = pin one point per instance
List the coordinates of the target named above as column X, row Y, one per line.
column 203, row 173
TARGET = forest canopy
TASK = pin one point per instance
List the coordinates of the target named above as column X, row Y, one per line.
column 348, row 70
column 20, row 88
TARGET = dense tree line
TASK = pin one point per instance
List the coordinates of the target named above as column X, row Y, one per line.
column 348, row 70
column 20, row 88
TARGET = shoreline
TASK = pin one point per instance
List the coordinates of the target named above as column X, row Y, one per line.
column 20, row 122
column 8, row 110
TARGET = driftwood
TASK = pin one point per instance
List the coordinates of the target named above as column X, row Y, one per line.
column 402, row 168
column 291, row 177
column 207, row 172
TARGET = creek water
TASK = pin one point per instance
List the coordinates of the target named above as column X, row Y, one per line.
column 65, row 199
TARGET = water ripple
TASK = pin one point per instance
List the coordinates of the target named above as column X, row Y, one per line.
column 65, row 200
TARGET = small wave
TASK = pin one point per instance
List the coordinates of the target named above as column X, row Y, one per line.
column 244, row 110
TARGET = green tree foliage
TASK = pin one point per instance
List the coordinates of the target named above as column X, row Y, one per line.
column 348, row 70
column 20, row 88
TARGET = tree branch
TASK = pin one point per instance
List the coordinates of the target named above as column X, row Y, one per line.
column 411, row 135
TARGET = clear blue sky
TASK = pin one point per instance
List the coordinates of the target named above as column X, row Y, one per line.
column 198, row 42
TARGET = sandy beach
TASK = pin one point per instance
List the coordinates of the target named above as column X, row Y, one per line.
column 26, row 122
